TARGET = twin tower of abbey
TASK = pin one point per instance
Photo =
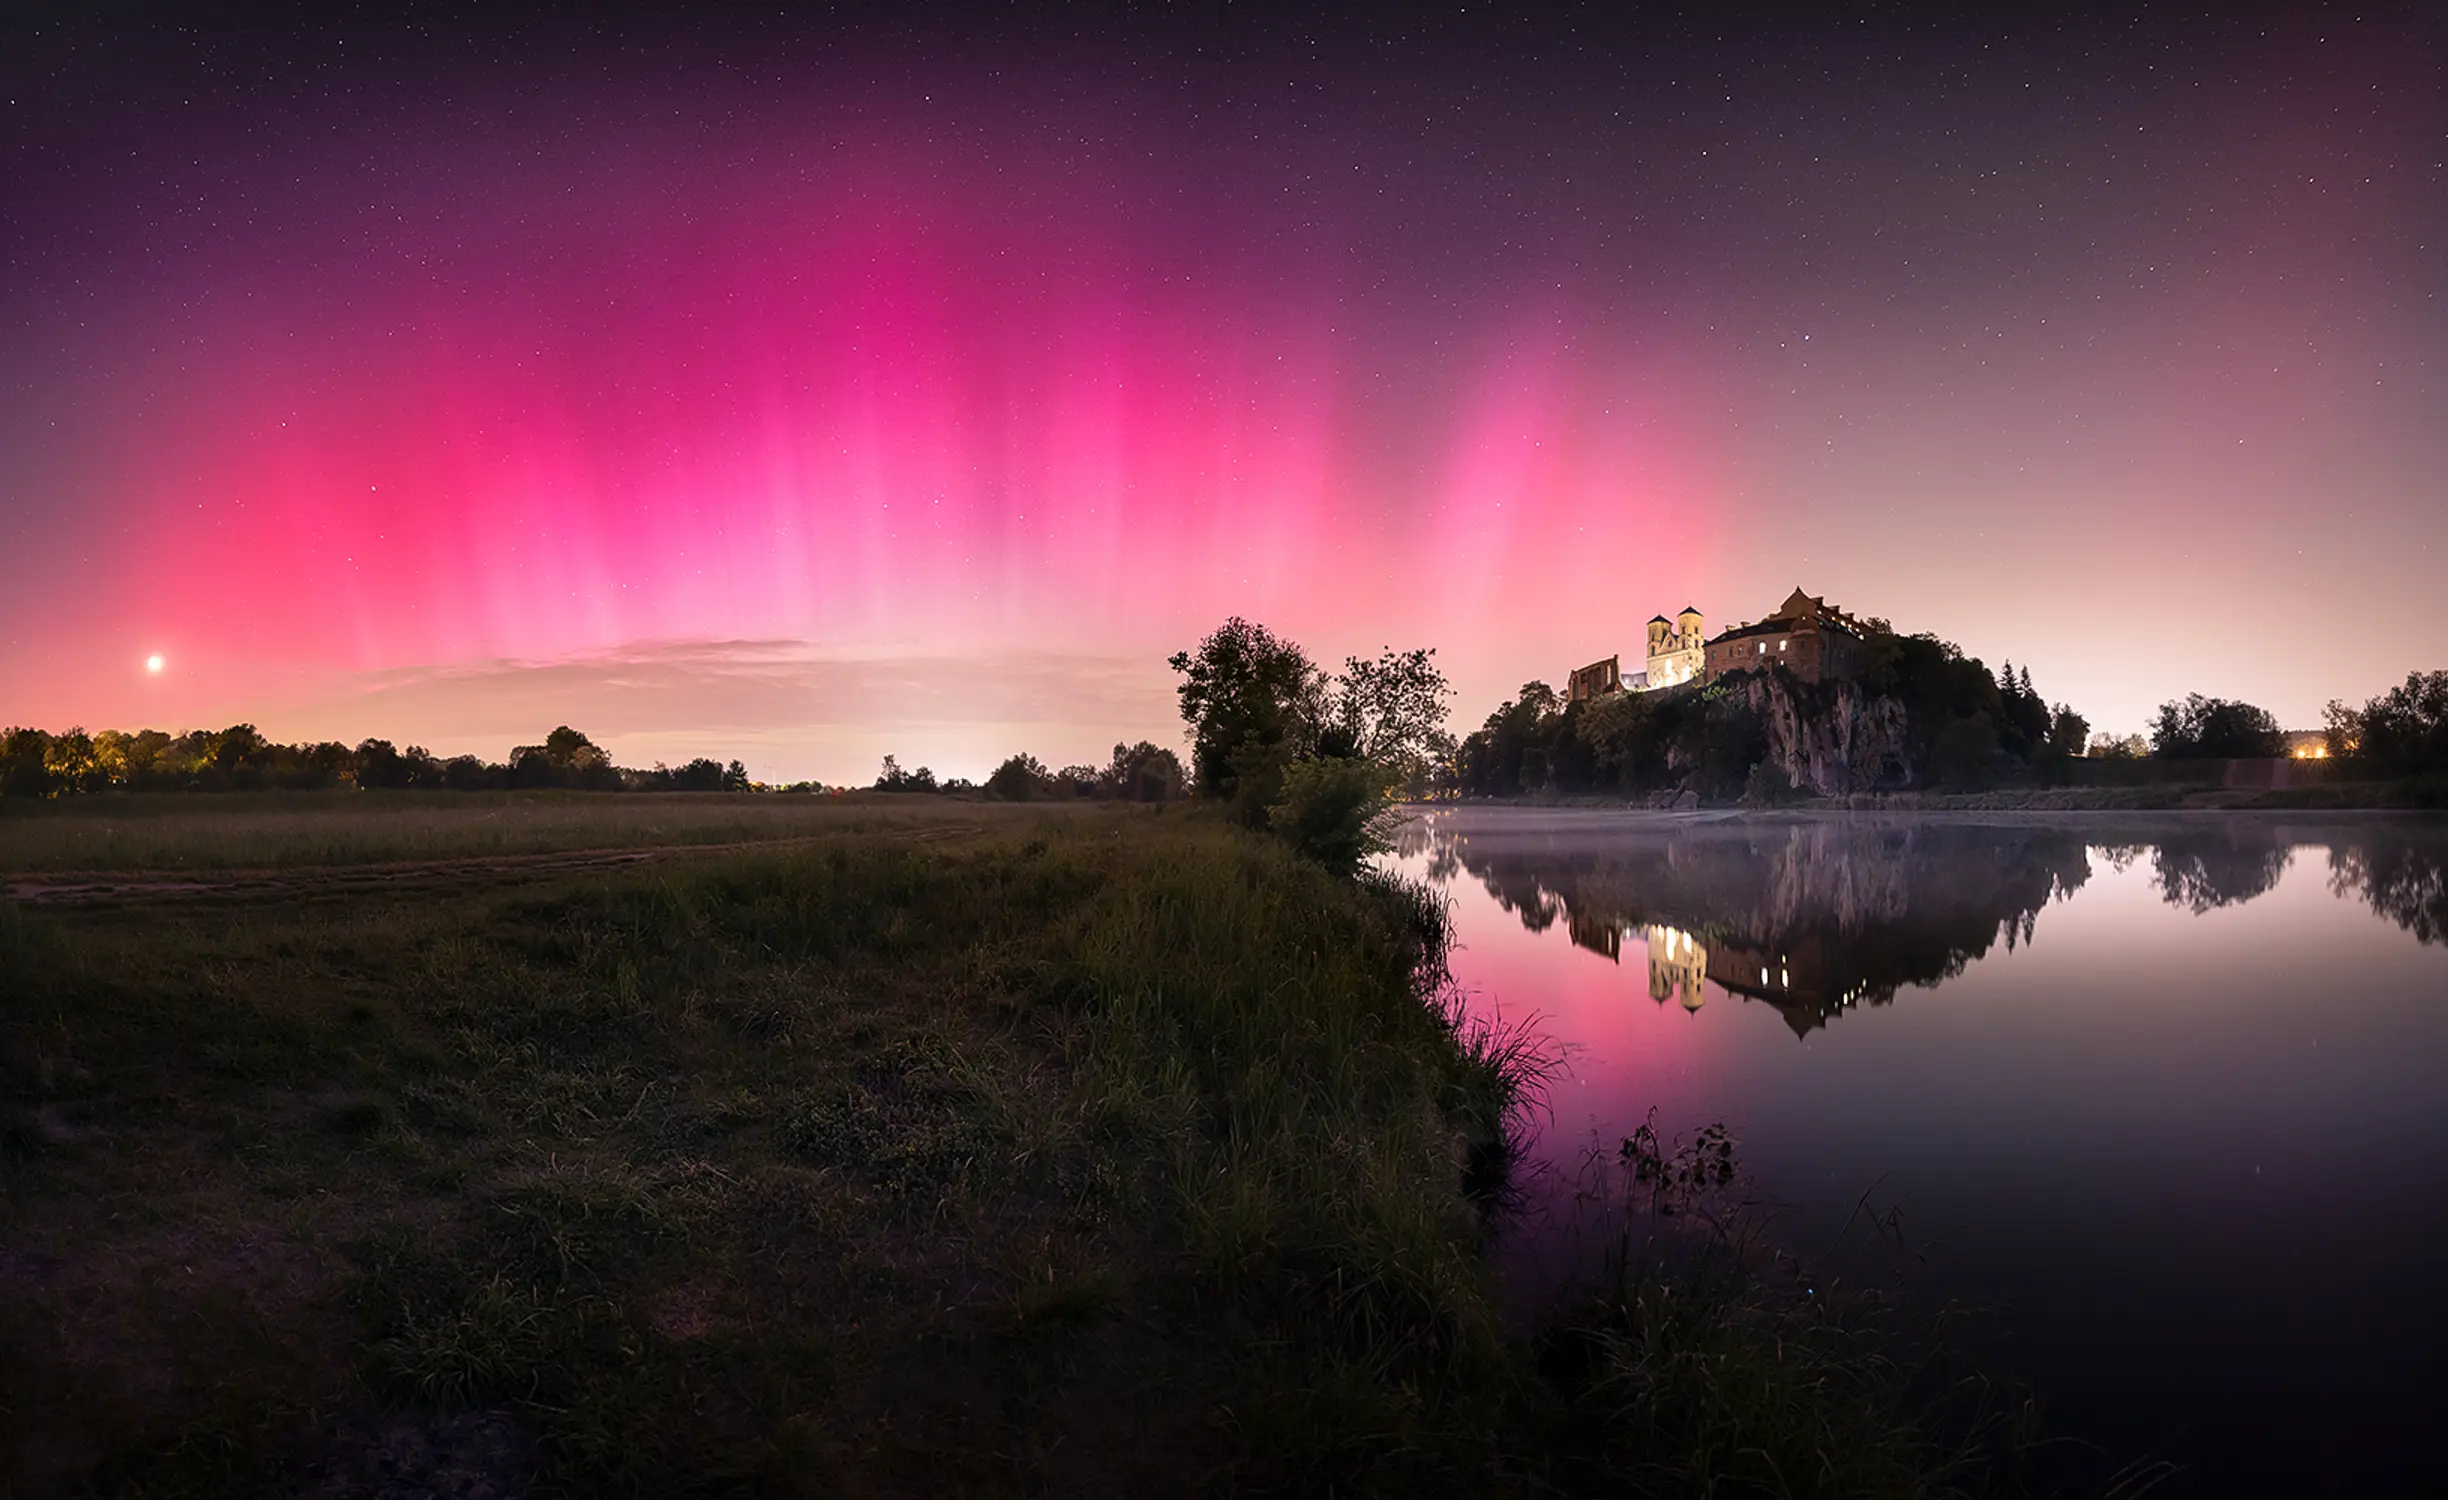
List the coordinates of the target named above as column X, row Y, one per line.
column 1807, row 636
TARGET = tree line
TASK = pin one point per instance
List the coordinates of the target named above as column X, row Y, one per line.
column 1143, row 772
column 2402, row 732
column 38, row 764
column 1283, row 744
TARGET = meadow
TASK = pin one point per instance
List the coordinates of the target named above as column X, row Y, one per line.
column 263, row 830
column 821, row 1148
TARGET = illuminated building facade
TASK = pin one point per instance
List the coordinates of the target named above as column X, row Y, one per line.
column 1677, row 650
column 1808, row 637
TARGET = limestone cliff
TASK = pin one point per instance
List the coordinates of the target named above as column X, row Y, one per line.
column 1828, row 737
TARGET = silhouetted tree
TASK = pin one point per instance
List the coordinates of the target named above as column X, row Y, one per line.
column 1253, row 704
column 2402, row 732
column 893, row 779
column 2198, row 728
column 1144, row 772
column 530, row 766
column 1392, row 711
column 379, row 765
column 1022, row 778
column 1079, row 783
column 2069, row 732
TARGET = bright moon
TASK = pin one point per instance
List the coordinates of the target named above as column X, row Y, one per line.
column 153, row 663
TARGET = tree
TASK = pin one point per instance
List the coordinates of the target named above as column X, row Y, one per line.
column 1392, row 710
column 1940, row 686
column 1966, row 754
column 1253, row 704
column 1020, row 779
column 2024, row 720
column 421, row 766
column 73, row 768
column 23, row 772
column 1629, row 735
column 1079, row 783
column 579, row 761
column 379, row 765
column 893, row 779
column 2341, row 729
column 1143, row 772
column 237, row 748
column 2404, row 731
column 563, row 746
column 148, row 758
column 2199, row 728
column 1523, row 731
column 2069, row 732
column 530, row 766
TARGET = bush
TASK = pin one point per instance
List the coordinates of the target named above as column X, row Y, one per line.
column 1334, row 810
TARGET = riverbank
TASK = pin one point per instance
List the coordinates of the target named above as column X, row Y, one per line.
column 2412, row 794
column 1112, row 1153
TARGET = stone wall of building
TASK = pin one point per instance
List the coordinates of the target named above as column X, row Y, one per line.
column 1595, row 680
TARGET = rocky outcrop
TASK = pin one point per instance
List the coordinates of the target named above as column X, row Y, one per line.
column 1828, row 737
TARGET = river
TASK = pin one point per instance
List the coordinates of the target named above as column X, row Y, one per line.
column 2163, row 1097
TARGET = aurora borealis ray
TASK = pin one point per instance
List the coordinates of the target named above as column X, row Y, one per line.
column 816, row 394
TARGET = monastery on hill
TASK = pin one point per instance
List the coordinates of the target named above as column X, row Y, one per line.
column 1807, row 636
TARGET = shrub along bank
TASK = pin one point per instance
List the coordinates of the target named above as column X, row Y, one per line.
column 1104, row 1154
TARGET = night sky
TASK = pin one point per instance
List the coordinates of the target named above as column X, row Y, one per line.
column 752, row 386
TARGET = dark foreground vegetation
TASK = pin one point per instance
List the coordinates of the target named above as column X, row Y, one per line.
column 982, row 1151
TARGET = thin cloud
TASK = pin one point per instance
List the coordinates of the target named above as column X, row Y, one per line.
column 796, row 705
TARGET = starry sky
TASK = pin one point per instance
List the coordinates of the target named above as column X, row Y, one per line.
column 744, row 384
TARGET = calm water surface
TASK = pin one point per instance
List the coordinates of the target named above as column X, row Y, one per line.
column 2166, row 1095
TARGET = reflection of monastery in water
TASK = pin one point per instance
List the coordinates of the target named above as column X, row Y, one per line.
column 1820, row 917
column 1813, row 919
column 1677, row 965
column 1800, row 984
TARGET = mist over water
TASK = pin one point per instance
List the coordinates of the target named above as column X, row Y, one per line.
column 2161, row 1095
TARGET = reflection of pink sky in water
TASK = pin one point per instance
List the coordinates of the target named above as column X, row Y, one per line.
column 1623, row 1051
column 2138, row 1066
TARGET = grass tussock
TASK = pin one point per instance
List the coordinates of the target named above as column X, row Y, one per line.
column 1069, row 1153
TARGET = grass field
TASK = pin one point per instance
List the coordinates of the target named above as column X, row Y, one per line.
column 927, row 1149
column 263, row 830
